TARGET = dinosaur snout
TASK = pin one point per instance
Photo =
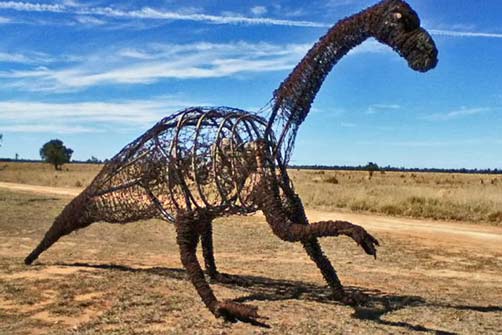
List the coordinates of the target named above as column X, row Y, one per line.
column 420, row 51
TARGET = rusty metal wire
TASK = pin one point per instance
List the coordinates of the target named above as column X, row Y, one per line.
column 205, row 162
column 391, row 22
column 197, row 158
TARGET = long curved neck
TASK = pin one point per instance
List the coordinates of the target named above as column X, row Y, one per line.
column 292, row 100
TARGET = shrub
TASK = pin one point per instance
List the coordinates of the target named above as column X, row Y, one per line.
column 391, row 210
column 331, row 180
column 495, row 216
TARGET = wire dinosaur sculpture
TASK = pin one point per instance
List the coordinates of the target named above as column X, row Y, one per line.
column 202, row 162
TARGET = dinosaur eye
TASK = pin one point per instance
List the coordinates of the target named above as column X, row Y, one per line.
column 397, row 16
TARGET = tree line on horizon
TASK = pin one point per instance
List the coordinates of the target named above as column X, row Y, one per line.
column 94, row 160
column 388, row 168
column 57, row 154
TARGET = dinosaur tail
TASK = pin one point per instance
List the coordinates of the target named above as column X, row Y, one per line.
column 74, row 216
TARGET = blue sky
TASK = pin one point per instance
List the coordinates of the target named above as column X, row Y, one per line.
column 97, row 74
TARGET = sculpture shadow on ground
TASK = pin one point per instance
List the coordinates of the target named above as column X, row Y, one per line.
column 376, row 304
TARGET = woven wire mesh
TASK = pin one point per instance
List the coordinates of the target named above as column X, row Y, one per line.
column 198, row 158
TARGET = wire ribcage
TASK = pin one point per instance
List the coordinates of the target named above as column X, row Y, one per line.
column 197, row 158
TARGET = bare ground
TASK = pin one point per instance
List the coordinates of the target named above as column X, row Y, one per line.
column 430, row 277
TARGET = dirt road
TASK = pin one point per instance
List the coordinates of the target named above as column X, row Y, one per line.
column 461, row 235
column 40, row 189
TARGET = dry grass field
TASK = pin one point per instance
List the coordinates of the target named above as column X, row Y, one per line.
column 443, row 196
column 72, row 175
column 460, row 197
column 430, row 276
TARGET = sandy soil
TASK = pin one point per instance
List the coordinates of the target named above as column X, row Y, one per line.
column 430, row 277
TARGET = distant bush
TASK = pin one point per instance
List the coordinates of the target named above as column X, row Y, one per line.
column 331, row 180
column 495, row 216
column 391, row 210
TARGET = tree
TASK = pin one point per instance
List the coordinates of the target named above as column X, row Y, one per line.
column 93, row 160
column 371, row 168
column 55, row 153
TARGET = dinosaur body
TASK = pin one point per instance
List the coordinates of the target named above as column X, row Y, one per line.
column 197, row 158
column 203, row 163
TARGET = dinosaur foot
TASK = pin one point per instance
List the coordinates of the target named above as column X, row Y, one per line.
column 233, row 312
column 363, row 239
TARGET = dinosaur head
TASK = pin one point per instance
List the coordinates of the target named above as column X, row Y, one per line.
column 395, row 23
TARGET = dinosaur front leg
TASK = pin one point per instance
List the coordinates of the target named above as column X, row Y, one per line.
column 188, row 229
column 294, row 232
column 336, row 228
column 312, row 246
column 286, row 227
column 294, row 228
column 308, row 234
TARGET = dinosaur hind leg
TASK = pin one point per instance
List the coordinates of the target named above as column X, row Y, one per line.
column 189, row 227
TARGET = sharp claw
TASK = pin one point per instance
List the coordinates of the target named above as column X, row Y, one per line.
column 365, row 240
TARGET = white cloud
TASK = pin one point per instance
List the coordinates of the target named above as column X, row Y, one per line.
column 87, row 116
column 32, row 7
column 135, row 54
column 377, row 108
column 86, row 15
column 89, row 20
column 72, row 3
column 156, row 62
column 148, row 13
column 452, row 33
column 258, row 10
column 29, row 58
column 5, row 20
column 456, row 114
column 52, row 128
column 130, row 112
column 13, row 57
column 156, row 14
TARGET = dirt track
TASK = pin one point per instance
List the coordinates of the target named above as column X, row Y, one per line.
column 461, row 235
column 40, row 189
